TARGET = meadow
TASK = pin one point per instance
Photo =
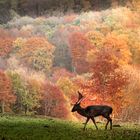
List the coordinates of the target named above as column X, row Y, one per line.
column 36, row 128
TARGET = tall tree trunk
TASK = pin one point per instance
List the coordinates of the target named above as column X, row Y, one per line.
column 45, row 109
column 2, row 107
column 26, row 109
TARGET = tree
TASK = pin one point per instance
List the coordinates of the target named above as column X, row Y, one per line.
column 53, row 101
column 79, row 45
column 133, row 44
column 3, row 63
column 62, row 57
column 95, row 38
column 131, row 95
column 5, row 46
column 6, row 95
column 19, row 43
column 60, row 72
column 20, row 90
column 37, row 53
column 34, row 96
column 136, row 4
column 67, row 86
column 28, row 93
column 119, row 48
column 60, row 40
column 4, row 33
column 109, row 79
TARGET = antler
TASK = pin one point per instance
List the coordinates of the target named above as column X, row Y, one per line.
column 80, row 97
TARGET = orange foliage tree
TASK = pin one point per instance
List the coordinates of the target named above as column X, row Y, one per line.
column 6, row 33
column 53, row 101
column 6, row 96
column 108, row 78
column 132, row 96
column 5, row 46
column 79, row 45
column 84, row 85
column 119, row 48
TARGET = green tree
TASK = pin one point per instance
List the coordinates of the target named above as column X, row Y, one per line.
column 27, row 93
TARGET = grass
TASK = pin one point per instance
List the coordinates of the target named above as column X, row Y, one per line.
column 28, row 128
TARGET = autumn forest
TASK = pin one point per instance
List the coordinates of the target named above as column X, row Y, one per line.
column 48, row 54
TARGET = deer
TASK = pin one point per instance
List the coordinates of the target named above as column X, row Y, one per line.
column 90, row 112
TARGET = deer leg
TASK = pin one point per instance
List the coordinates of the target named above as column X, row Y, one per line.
column 94, row 122
column 86, row 123
column 110, row 123
column 108, row 120
column 106, row 124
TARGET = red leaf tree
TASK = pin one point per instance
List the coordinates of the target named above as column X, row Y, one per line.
column 60, row 72
column 6, row 96
column 108, row 78
column 53, row 101
column 79, row 45
column 5, row 46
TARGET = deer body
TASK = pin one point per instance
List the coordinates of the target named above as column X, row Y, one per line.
column 98, row 110
column 93, row 111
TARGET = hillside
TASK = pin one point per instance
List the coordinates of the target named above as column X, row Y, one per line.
column 26, row 128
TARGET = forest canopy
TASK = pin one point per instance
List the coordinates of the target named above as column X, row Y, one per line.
column 51, row 49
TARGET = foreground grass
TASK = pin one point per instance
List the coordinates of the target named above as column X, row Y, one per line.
column 27, row 128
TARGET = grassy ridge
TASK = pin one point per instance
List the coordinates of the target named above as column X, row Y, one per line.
column 26, row 128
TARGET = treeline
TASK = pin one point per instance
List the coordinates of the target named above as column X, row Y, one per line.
column 47, row 7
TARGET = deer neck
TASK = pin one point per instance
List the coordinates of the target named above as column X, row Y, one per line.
column 81, row 111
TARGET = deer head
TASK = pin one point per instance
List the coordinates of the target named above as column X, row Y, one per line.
column 77, row 104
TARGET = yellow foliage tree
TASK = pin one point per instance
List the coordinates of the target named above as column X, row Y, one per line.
column 95, row 38
column 36, row 52
column 67, row 86
column 120, row 48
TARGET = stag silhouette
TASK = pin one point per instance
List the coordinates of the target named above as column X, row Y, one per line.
column 93, row 111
